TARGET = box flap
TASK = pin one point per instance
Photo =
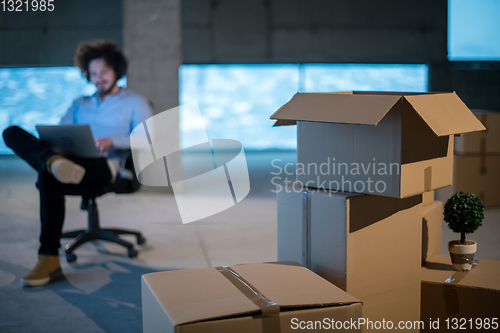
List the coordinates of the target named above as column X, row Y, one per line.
column 293, row 286
column 336, row 108
column 197, row 294
column 202, row 294
column 445, row 114
column 283, row 122
column 484, row 274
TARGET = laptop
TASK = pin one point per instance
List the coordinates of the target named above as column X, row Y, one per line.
column 71, row 140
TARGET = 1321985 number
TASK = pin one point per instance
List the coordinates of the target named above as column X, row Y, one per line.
column 27, row 5
column 471, row 324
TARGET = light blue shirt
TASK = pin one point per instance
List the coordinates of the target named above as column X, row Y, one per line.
column 115, row 117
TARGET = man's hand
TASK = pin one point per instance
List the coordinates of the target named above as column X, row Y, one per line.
column 104, row 144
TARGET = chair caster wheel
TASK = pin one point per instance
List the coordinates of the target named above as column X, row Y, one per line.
column 70, row 257
column 141, row 240
column 132, row 253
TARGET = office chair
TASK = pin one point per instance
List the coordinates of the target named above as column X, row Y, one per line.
column 94, row 231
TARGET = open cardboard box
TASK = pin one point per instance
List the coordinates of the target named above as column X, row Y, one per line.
column 381, row 143
column 370, row 246
column 448, row 294
column 245, row 298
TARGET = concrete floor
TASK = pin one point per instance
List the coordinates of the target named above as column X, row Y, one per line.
column 101, row 292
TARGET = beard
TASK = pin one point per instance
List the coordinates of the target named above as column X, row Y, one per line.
column 104, row 92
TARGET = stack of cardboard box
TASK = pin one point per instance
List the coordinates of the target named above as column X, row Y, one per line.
column 477, row 161
column 361, row 214
column 354, row 212
column 452, row 300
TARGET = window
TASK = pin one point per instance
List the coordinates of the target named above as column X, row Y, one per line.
column 473, row 30
column 236, row 101
column 30, row 96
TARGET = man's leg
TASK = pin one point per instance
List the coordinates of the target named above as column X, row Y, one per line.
column 39, row 155
column 52, row 202
column 28, row 147
column 52, row 210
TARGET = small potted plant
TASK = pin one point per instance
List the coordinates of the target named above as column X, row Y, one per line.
column 464, row 213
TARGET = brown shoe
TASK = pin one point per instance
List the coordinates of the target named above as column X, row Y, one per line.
column 48, row 268
column 64, row 170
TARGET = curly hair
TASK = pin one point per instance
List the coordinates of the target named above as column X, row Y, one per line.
column 100, row 49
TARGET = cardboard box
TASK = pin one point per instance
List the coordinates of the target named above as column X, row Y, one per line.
column 370, row 246
column 475, row 174
column 485, row 142
column 389, row 144
column 432, row 224
column 244, row 298
column 477, row 161
column 448, row 294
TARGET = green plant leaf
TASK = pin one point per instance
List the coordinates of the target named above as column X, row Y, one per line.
column 464, row 212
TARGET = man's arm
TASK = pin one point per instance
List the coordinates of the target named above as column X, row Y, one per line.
column 104, row 144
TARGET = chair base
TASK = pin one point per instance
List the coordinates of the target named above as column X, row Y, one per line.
column 108, row 234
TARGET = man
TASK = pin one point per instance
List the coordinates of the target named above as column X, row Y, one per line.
column 112, row 113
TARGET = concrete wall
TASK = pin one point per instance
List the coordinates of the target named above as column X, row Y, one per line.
column 477, row 84
column 267, row 31
column 152, row 44
column 50, row 38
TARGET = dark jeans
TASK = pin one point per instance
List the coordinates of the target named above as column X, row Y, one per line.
column 52, row 192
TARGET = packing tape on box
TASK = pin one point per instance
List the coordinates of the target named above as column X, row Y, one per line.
column 428, row 179
column 450, row 291
column 450, row 295
column 482, row 147
column 306, row 228
column 270, row 310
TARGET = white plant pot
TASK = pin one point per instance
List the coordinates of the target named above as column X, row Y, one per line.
column 462, row 256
